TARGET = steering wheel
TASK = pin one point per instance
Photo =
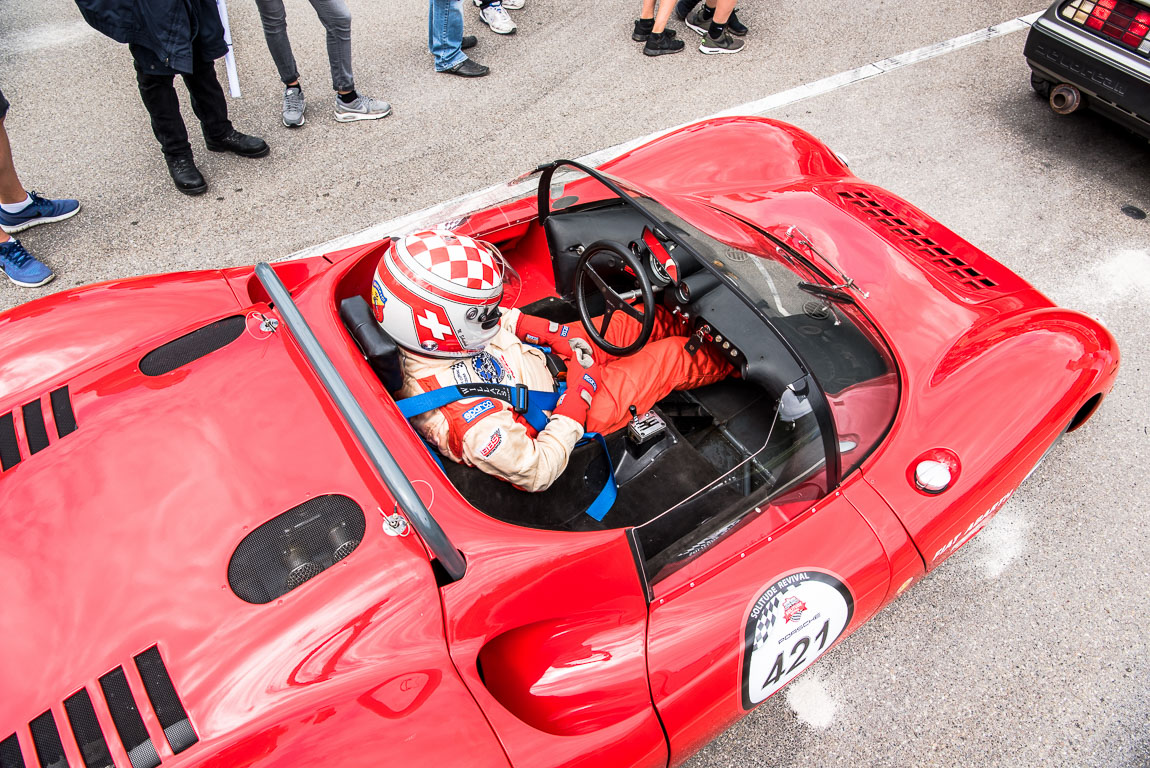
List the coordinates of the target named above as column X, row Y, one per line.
column 614, row 302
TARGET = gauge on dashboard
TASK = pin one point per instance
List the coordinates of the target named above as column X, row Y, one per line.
column 657, row 269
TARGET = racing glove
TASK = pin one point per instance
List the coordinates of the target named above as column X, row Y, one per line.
column 582, row 383
column 536, row 330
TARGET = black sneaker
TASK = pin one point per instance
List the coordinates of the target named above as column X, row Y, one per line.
column 658, row 45
column 737, row 28
column 683, row 7
column 467, row 68
column 643, row 29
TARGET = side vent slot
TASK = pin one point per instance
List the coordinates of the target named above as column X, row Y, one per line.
column 34, row 427
column 294, row 547
column 126, row 716
column 9, row 448
column 10, row 755
column 162, row 693
column 192, row 346
column 62, row 412
column 86, row 729
column 46, row 739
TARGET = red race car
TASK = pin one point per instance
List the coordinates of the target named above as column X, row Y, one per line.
column 224, row 546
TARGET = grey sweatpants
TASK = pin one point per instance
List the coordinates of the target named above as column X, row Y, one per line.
column 336, row 19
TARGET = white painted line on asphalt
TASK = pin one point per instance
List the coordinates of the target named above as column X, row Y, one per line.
column 457, row 207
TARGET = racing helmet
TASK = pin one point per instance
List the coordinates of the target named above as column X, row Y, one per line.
column 438, row 294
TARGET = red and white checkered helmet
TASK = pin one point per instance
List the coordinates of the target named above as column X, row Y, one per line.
column 438, row 293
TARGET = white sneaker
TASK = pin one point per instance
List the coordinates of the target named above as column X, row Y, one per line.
column 508, row 5
column 498, row 19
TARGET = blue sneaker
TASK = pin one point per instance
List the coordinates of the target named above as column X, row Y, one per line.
column 21, row 267
column 40, row 211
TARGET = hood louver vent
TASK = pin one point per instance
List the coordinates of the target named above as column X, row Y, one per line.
column 86, row 729
column 954, row 267
column 46, row 738
column 125, row 715
column 169, row 711
column 192, row 346
column 10, row 756
column 35, row 429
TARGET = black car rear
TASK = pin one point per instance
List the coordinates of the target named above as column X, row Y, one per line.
column 1094, row 54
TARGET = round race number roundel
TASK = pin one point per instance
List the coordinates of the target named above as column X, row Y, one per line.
column 791, row 624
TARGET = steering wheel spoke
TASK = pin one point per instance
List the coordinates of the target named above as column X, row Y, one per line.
column 630, row 310
column 612, row 301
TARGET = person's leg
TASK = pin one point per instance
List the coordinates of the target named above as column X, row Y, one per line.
column 716, row 16
column 208, row 102
column 159, row 96
column 15, row 261
column 642, row 379
column 445, row 33
column 11, row 190
column 336, row 19
column 274, row 21
column 720, row 10
column 20, row 210
column 717, row 37
column 662, row 40
column 645, row 22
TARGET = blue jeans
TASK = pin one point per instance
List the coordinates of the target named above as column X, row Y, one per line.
column 336, row 19
column 445, row 33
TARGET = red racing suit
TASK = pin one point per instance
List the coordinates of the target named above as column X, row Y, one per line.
column 487, row 433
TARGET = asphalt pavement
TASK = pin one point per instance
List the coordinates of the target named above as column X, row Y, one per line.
column 1027, row 648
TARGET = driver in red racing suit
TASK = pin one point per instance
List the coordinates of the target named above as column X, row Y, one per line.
column 438, row 295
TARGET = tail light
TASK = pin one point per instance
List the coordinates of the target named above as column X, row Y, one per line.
column 1121, row 21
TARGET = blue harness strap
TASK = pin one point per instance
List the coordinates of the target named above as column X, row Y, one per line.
column 531, row 403
column 606, row 497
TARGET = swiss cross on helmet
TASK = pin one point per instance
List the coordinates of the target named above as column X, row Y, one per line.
column 438, row 293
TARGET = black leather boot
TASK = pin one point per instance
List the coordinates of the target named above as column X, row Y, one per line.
column 186, row 175
column 238, row 143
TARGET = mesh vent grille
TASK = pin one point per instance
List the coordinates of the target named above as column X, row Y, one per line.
column 62, row 411
column 10, row 756
column 192, row 346
column 294, row 547
column 129, row 724
column 86, row 729
column 46, row 739
column 162, row 693
column 953, row 266
column 35, row 430
column 9, row 448
column 34, row 427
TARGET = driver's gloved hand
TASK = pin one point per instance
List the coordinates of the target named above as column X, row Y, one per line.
column 582, row 384
column 536, row 330
column 581, row 352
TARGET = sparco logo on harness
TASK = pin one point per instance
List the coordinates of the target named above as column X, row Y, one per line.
column 473, row 413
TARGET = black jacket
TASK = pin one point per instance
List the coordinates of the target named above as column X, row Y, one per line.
column 175, row 31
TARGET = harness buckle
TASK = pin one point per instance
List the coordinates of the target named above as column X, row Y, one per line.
column 519, row 398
